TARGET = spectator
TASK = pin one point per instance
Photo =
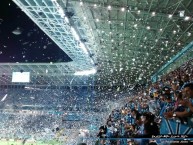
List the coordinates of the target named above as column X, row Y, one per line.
column 154, row 105
column 178, row 106
column 150, row 126
column 135, row 114
column 188, row 93
column 168, row 106
column 141, row 115
column 102, row 131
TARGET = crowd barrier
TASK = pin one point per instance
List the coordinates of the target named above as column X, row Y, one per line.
column 174, row 127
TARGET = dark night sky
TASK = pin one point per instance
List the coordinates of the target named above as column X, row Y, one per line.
column 22, row 41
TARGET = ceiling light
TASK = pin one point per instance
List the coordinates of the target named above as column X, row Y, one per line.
column 179, row 43
column 148, row 27
column 187, row 18
column 95, row 5
column 109, row 7
column 97, row 20
column 84, row 18
column 61, row 12
column 81, row 3
column 174, row 32
column 109, row 22
column 160, row 29
column 74, row 33
column 66, row 19
column 170, row 16
column 83, row 47
column 189, row 34
column 153, row 13
column 135, row 25
column 123, row 9
column 138, row 11
column 181, row 13
column 86, row 72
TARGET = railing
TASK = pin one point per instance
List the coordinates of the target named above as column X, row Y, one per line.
column 173, row 62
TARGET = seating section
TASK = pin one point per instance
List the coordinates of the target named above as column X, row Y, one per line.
column 150, row 110
column 145, row 111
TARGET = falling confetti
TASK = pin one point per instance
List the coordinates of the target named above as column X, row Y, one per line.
column 1, row 20
column 17, row 31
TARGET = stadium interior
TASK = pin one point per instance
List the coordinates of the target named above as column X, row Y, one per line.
column 68, row 67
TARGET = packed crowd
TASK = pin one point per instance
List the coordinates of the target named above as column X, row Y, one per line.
column 25, row 126
column 170, row 98
column 141, row 116
column 71, row 99
column 36, row 113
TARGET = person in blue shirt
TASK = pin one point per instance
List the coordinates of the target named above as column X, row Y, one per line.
column 168, row 105
column 187, row 102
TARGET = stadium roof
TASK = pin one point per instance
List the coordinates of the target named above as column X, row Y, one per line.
column 125, row 40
